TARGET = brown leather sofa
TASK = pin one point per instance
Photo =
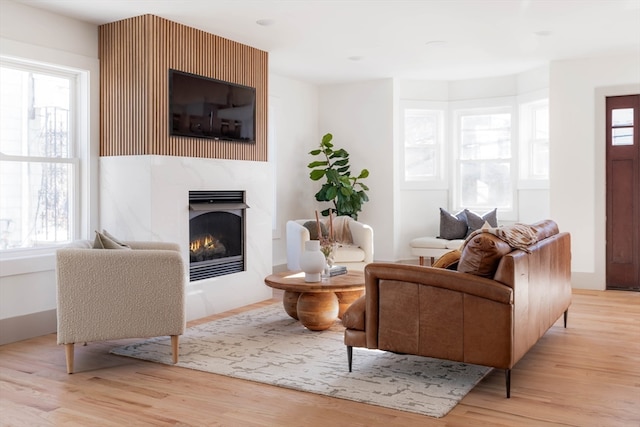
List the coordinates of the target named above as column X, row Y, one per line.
column 460, row 315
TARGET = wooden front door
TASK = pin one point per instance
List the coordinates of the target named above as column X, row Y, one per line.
column 623, row 192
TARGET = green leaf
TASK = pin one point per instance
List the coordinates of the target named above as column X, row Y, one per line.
column 331, row 193
column 327, row 138
column 317, row 163
column 363, row 174
column 315, row 152
column 347, row 191
column 316, row 174
column 342, row 162
column 332, row 175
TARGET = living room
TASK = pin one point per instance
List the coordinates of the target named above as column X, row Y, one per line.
column 304, row 111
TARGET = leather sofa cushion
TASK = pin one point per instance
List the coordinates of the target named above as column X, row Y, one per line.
column 353, row 318
column 482, row 254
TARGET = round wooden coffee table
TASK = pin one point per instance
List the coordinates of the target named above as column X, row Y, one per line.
column 317, row 305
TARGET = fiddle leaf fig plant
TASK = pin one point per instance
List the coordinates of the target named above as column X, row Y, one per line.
column 346, row 192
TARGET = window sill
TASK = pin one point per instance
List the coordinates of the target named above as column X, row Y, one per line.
column 13, row 263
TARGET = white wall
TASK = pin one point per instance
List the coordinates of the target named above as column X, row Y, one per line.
column 577, row 95
column 28, row 285
column 361, row 118
column 293, row 132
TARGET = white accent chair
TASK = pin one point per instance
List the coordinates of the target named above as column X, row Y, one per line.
column 106, row 294
column 353, row 256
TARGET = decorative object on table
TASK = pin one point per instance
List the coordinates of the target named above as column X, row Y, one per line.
column 312, row 261
column 337, row 270
column 346, row 192
column 267, row 346
column 328, row 246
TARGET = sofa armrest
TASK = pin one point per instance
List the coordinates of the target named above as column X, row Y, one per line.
column 168, row 246
column 297, row 234
column 128, row 293
column 397, row 282
column 437, row 277
column 362, row 235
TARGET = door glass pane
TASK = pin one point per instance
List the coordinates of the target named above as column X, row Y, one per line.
column 622, row 136
column 622, row 117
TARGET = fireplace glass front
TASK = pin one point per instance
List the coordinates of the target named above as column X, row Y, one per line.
column 216, row 233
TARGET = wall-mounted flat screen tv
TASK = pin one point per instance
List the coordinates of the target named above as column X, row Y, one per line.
column 202, row 107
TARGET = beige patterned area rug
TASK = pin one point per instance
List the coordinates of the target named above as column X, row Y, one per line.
column 267, row 346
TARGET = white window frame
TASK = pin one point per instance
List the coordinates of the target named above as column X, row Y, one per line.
column 85, row 129
column 484, row 106
column 439, row 179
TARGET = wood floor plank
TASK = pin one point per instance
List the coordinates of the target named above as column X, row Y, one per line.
column 585, row 375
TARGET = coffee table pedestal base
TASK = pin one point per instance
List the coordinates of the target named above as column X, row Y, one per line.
column 317, row 311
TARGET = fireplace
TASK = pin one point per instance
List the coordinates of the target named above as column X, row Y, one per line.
column 216, row 233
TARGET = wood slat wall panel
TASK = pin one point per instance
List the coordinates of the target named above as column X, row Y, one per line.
column 135, row 57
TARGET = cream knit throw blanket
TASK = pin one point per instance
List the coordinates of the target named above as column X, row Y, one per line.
column 518, row 236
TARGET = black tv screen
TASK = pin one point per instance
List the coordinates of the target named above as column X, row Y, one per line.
column 202, row 107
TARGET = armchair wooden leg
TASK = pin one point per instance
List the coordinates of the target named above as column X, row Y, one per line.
column 566, row 314
column 68, row 350
column 421, row 259
column 174, row 348
column 349, row 355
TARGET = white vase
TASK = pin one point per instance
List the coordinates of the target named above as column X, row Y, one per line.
column 312, row 261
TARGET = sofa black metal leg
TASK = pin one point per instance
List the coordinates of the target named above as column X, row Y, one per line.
column 349, row 355
column 507, row 375
column 565, row 315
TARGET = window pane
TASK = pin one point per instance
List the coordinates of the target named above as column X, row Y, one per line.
column 486, row 184
column 423, row 133
column 622, row 117
column 486, row 136
column 540, row 159
column 34, row 114
column 36, row 207
column 420, row 164
column 622, row 136
column 541, row 122
column 420, row 127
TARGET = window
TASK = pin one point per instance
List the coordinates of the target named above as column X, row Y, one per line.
column 484, row 148
column 423, row 136
column 39, row 167
column 534, row 140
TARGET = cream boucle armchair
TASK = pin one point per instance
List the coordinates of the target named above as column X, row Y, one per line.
column 105, row 294
column 355, row 251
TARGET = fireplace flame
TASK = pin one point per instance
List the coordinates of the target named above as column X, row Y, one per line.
column 204, row 243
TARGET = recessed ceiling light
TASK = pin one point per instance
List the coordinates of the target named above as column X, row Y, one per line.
column 356, row 58
column 266, row 22
column 543, row 33
column 436, row 43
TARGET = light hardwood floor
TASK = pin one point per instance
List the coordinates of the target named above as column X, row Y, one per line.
column 585, row 375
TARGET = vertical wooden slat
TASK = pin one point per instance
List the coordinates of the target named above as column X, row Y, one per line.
column 135, row 57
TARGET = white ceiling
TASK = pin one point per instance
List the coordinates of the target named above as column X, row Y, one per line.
column 332, row 41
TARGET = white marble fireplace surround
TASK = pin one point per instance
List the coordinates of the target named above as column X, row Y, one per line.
column 147, row 198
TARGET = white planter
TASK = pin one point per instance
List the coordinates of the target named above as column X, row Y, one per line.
column 312, row 261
